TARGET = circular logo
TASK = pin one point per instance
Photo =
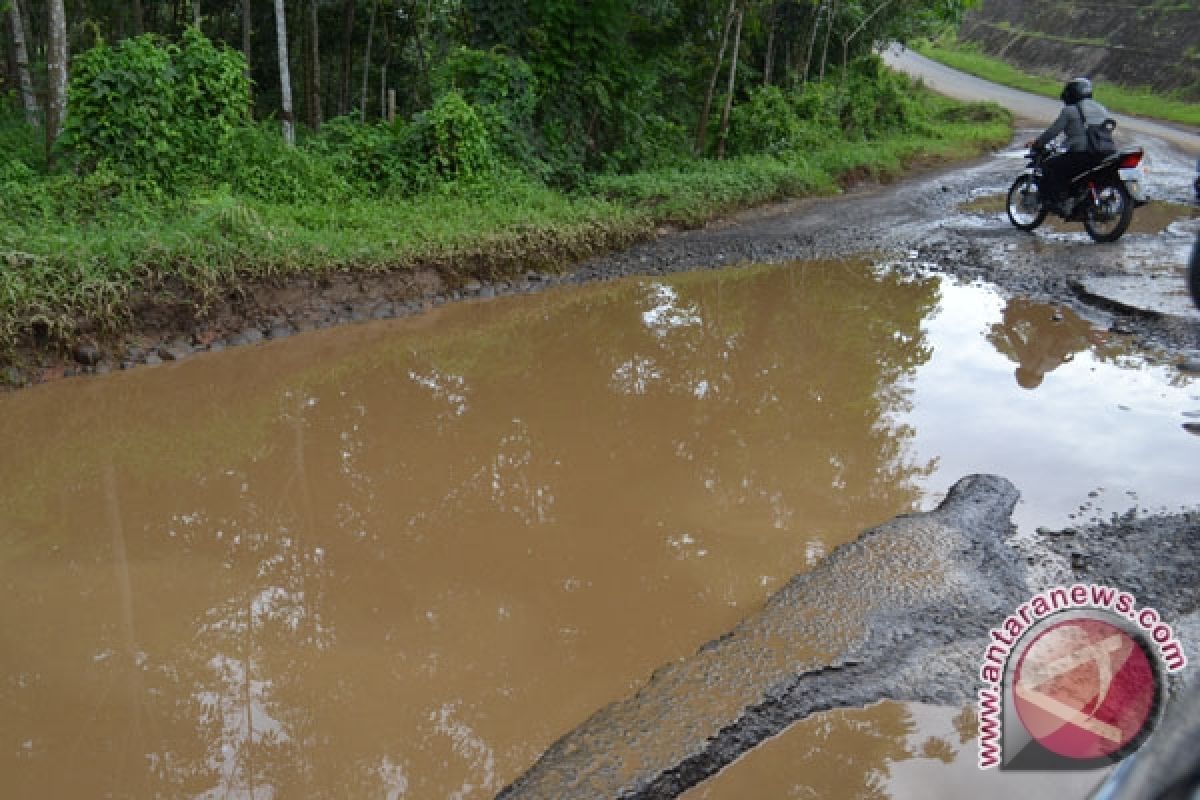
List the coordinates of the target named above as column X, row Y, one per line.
column 1085, row 688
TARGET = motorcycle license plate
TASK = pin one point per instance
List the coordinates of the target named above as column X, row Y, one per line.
column 1134, row 182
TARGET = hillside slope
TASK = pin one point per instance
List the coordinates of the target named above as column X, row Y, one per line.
column 1135, row 42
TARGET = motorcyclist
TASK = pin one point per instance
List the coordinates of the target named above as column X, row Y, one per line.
column 1058, row 170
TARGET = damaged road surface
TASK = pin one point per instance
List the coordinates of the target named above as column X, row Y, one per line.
column 898, row 613
column 450, row 539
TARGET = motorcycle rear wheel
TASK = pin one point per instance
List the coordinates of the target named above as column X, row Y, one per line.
column 1108, row 220
column 1024, row 204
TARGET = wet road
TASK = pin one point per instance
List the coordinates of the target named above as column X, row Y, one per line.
column 1032, row 108
column 402, row 559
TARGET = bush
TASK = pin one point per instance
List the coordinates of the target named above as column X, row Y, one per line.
column 450, row 141
column 503, row 91
column 767, row 123
column 371, row 156
column 258, row 163
column 20, row 145
column 153, row 111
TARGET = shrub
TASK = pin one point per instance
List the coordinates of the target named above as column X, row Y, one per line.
column 258, row 163
column 450, row 141
column 767, row 123
column 370, row 156
column 153, row 111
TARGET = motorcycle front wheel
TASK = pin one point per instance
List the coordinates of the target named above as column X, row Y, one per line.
column 1025, row 209
column 1109, row 217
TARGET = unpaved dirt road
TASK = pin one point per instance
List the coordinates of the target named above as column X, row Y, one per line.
column 1027, row 107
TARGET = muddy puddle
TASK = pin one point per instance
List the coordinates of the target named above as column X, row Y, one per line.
column 883, row 751
column 1157, row 216
column 401, row 559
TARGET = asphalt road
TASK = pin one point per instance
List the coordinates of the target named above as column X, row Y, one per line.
column 1034, row 108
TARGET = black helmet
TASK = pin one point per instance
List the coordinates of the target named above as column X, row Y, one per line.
column 1075, row 90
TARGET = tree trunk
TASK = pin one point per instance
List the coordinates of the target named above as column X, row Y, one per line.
column 788, row 73
column 702, row 128
column 812, row 38
column 828, row 32
column 769, row 61
column 419, row 86
column 285, row 76
column 723, row 133
column 247, row 30
column 56, row 75
column 8, row 82
column 383, row 71
column 344, row 80
column 367, row 62
column 196, row 13
column 139, row 18
column 21, row 52
column 314, row 59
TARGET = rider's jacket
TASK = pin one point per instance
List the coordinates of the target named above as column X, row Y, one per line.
column 1069, row 122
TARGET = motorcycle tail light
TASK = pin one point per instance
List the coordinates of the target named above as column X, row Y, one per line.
column 1131, row 160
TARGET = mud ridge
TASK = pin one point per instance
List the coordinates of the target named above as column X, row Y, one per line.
column 893, row 614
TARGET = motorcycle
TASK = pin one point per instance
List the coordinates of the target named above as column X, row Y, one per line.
column 1102, row 198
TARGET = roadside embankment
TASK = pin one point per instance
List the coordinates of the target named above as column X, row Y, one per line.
column 99, row 281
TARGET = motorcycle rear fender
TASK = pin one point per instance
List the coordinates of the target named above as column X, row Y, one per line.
column 1134, row 181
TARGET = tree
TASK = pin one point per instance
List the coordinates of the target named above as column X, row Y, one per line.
column 313, row 102
column 702, row 128
column 367, row 62
column 285, row 76
column 723, row 133
column 28, row 98
column 56, row 74
column 247, row 30
column 347, row 57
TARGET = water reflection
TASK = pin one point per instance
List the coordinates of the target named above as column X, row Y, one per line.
column 1098, row 436
column 1040, row 338
column 888, row 750
column 402, row 559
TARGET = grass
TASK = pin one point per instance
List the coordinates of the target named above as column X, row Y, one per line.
column 84, row 264
column 1140, row 102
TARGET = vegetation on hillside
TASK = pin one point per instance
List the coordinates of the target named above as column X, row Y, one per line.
column 1139, row 101
column 491, row 133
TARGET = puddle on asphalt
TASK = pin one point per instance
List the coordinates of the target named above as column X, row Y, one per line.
column 1155, row 217
column 403, row 558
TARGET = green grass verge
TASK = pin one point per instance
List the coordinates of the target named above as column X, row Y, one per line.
column 1140, row 102
column 58, row 273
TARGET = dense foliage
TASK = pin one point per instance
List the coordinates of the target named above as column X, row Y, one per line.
column 155, row 111
column 524, row 131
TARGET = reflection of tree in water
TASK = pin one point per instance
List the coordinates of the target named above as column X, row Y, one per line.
column 1039, row 338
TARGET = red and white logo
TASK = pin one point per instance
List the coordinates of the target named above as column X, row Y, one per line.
column 1085, row 689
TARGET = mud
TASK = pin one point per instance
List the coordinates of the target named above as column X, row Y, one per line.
column 887, row 615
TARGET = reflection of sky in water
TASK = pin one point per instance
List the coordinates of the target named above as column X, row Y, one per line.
column 1089, row 426
column 943, row 767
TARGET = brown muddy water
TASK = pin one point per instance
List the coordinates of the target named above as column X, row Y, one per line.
column 1153, row 218
column 883, row 751
column 401, row 559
